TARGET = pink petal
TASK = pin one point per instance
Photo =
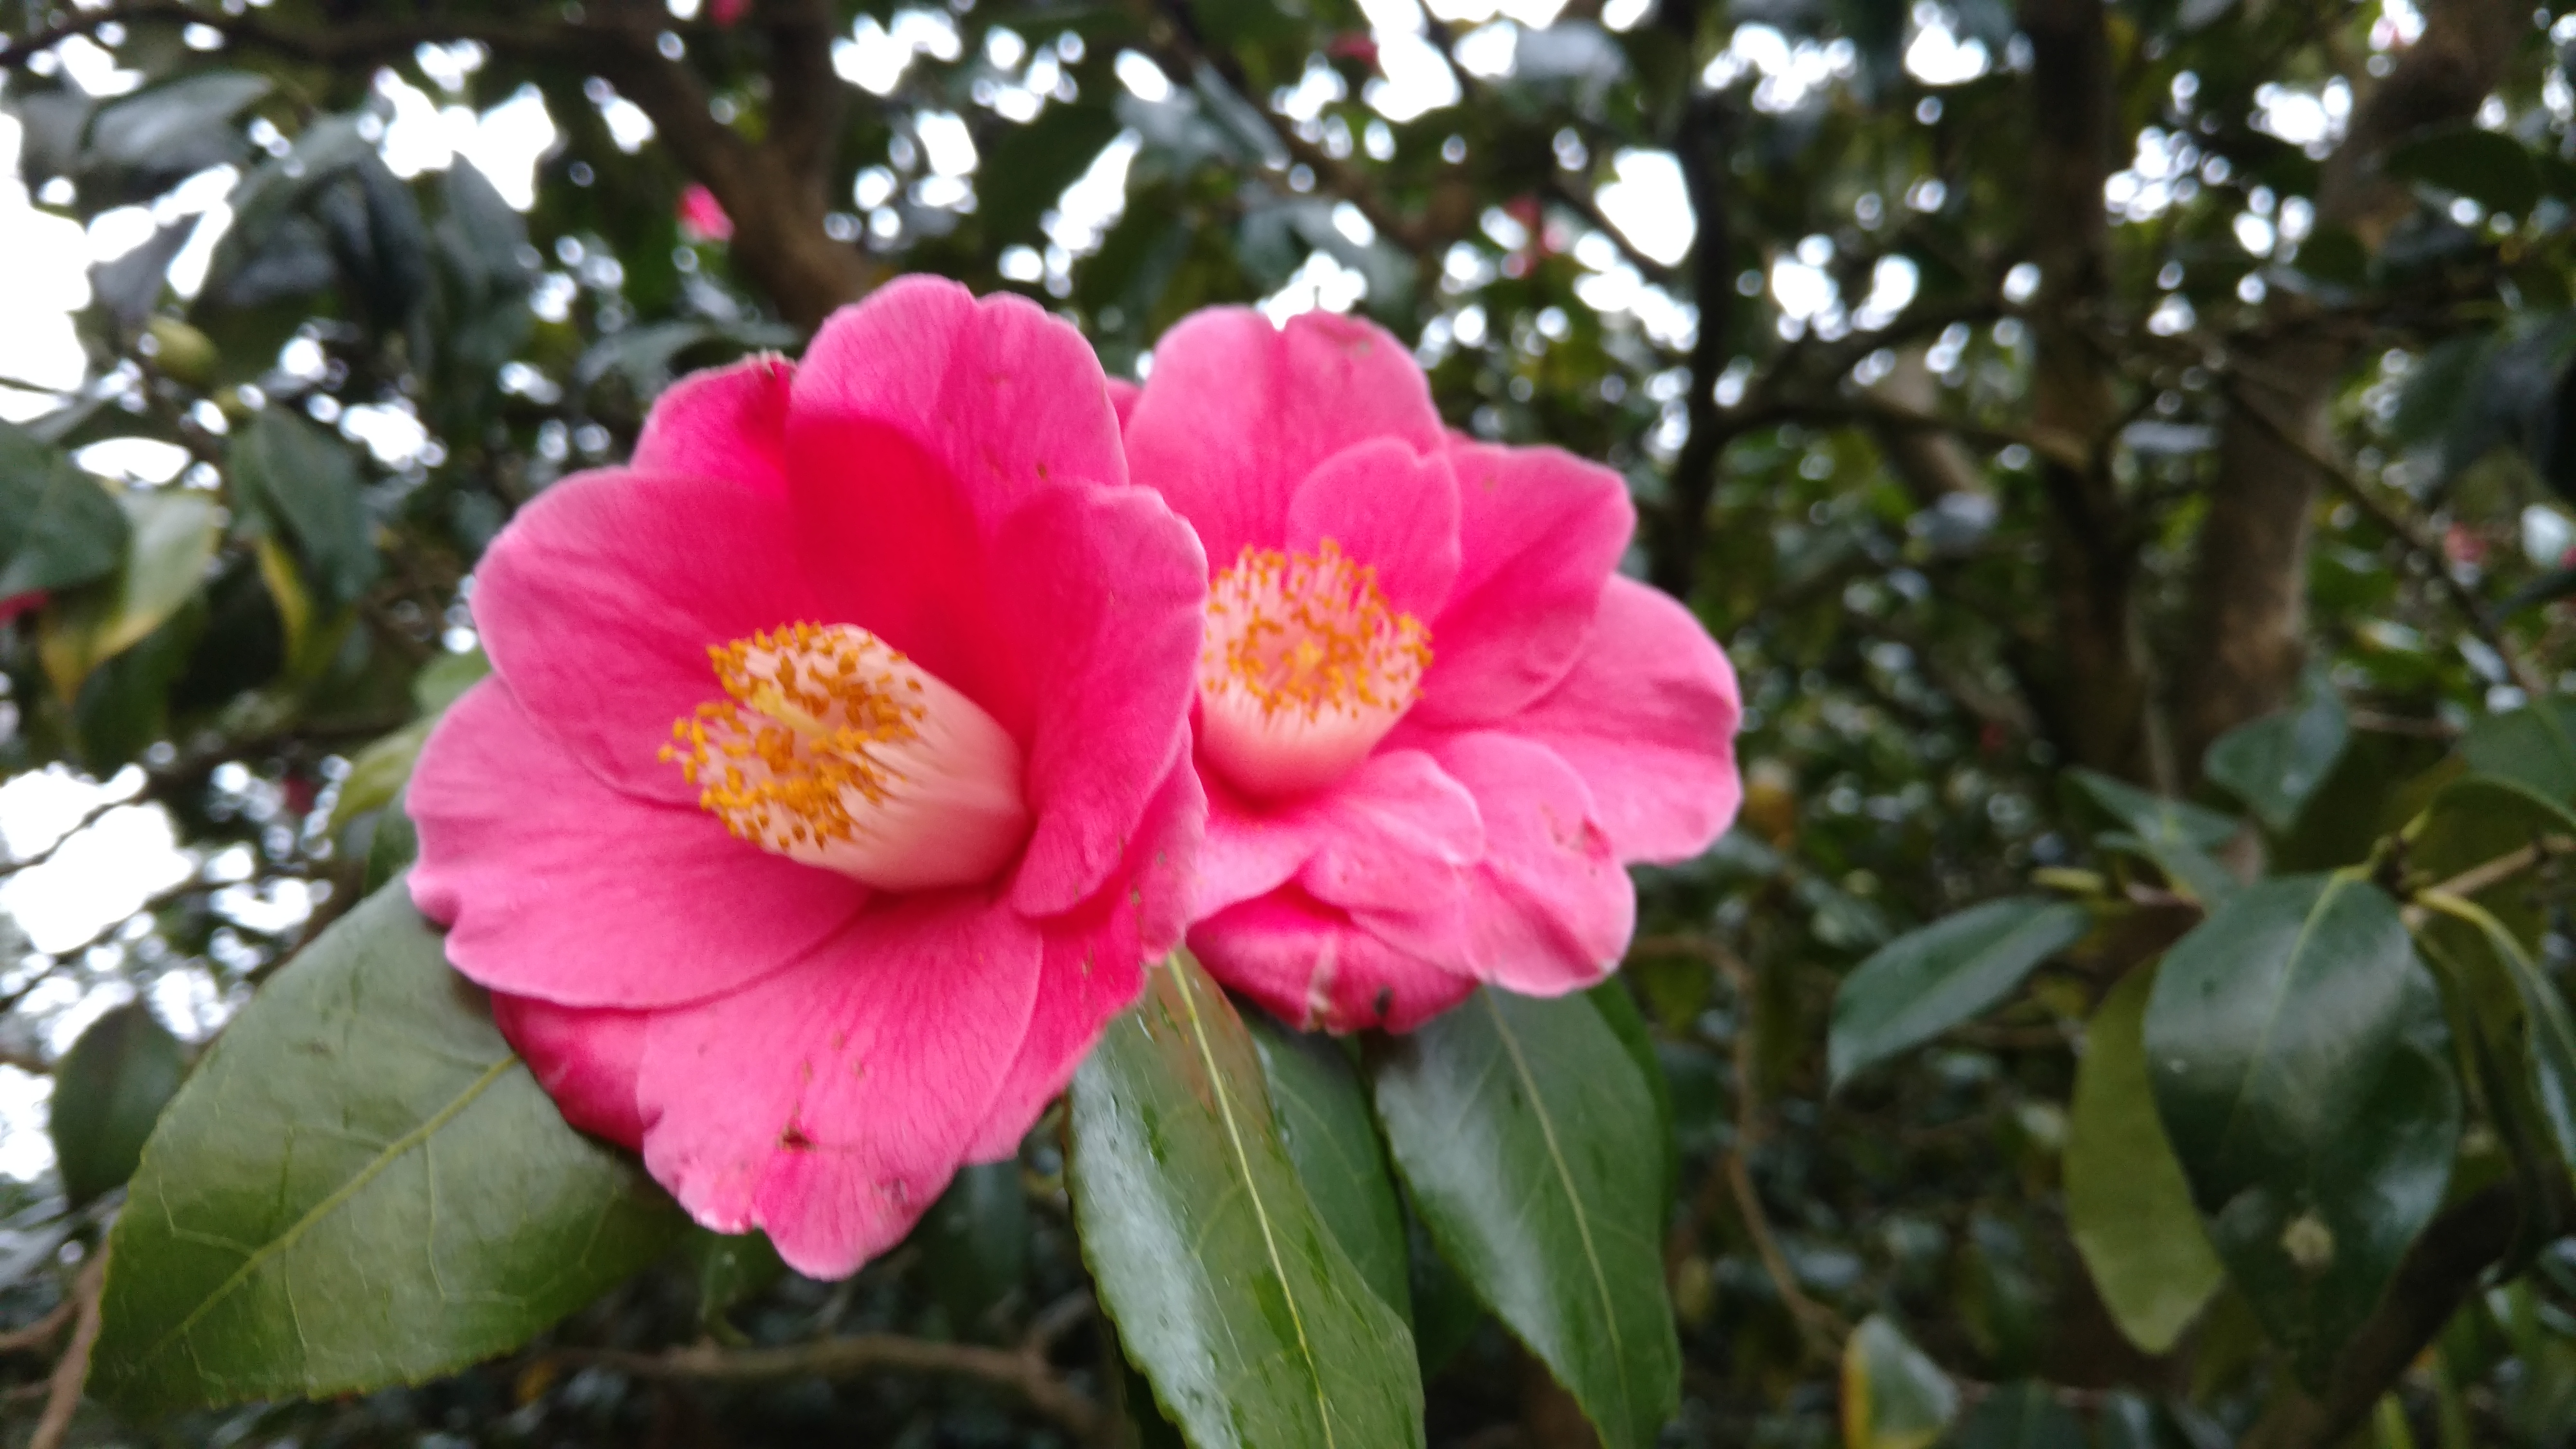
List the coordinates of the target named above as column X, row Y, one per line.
column 557, row 887
column 1539, row 530
column 1390, row 508
column 1647, row 717
column 598, row 604
column 1396, row 833
column 1122, row 397
column 1551, row 910
column 1237, row 413
column 725, row 423
column 897, row 547
column 831, row 1102
column 1096, row 959
column 586, row 1060
column 1105, row 588
column 1002, row 395
column 1310, row 965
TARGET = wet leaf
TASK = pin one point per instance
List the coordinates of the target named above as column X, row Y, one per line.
column 360, row 1186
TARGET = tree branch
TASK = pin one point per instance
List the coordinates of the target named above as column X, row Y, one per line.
column 63, row 1389
column 1024, row 1373
column 2481, row 620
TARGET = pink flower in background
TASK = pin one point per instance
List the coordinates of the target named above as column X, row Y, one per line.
column 729, row 12
column 831, row 790
column 1433, row 723
column 702, row 217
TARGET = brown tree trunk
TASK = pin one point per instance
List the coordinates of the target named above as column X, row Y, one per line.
column 2242, row 643
column 2093, row 687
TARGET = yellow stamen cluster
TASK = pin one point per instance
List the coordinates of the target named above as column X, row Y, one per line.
column 1310, row 634
column 808, row 709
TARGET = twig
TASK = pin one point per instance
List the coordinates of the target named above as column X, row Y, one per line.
column 1055, row 1321
column 1823, row 1329
column 88, row 818
column 2476, row 878
column 42, row 1331
column 63, row 1390
column 2481, row 620
column 1026, row 1374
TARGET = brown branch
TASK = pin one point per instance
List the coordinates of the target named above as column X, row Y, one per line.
column 2390, row 516
column 1026, row 1374
column 42, row 1331
column 1673, row 552
column 63, row 1389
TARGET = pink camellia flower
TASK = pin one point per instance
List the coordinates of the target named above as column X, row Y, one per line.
column 1433, row 723
column 831, row 788
column 702, row 217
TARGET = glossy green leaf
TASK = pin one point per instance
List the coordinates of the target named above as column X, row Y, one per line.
column 2128, row 1206
column 1925, row 982
column 2549, row 1028
column 2534, row 746
column 1527, row 1135
column 2024, row 1415
column 1894, row 1395
column 392, row 846
column 1229, row 1292
column 730, row 1268
column 304, row 483
column 147, row 126
column 2296, row 1048
column 2172, row 835
column 2276, row 763
column 361, row 1185
column 108, row 1091
column 1324, row 1119
column 171, row 536
column 2488, row 167
column 59, row 527
column 975, row 1243
column 1619, row 1012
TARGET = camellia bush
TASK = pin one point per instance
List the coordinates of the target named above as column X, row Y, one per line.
column 1247, row 723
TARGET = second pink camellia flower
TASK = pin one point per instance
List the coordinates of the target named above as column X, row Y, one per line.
column 830, row 792
column 1433, row 723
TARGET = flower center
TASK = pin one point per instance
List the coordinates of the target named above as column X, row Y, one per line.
column 834, row 749
column 1303, row 669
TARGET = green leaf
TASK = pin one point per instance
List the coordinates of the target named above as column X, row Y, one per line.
column 2296, row 1046
column 1894, row 1396
column 143, row 128
column 360, row 1186
column 2174, row 836
column 2488, row 167
column 730, row 1268
column 1228, row 1290
column 108, row 1091
column 975, row 1243
column 170, row 537
column 2549, row 1029
column 304, row 483
column 2534, row 746
column 393, row 846
column 1324, row 1120
column 1526, row 1134
column 1619, row 1012
column 2274, row 764
column 2024, row 1415
column 2128, row 1206
column 1925, row 982
column 1031, row 165
column 59, row 527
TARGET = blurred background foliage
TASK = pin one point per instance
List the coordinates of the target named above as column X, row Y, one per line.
column 2012, row 390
